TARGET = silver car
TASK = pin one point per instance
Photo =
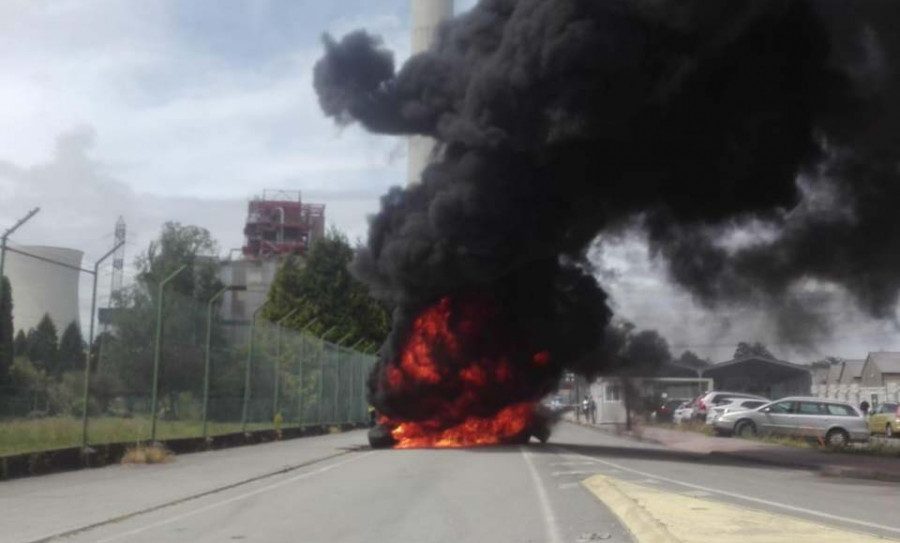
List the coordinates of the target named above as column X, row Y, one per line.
column 734, row 404
column 837, row 422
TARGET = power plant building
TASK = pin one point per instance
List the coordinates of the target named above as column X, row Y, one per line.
column 40, row 287
column 278, row 224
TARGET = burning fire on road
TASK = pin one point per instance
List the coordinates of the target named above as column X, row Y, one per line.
column 472, row 379
column 563, row 123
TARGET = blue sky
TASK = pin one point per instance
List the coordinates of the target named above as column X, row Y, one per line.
column 180, row 110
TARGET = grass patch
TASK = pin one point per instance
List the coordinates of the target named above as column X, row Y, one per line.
column 33, row 435
column 148, row 454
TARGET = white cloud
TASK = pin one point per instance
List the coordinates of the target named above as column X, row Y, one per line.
column 111, row 108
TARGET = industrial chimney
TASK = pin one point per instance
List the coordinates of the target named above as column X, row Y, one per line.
column 427, row 15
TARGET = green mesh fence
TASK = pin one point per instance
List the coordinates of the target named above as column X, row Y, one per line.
column 289, row 379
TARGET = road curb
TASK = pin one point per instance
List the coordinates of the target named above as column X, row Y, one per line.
column 640, row 523
column 825, row 471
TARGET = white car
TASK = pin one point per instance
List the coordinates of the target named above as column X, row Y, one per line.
column 734, row 404
column 715, row 398
column 684, row 413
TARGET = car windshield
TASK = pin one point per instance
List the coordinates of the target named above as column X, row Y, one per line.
column 449, row 270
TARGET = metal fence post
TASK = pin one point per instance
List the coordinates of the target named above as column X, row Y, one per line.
column 5, row 238
column 157, row 348
column 246, row 408
column 87, row 362
column 278, row 327
column 208, row 351
column 321, row 357
column 300, row 407
column 337, row 380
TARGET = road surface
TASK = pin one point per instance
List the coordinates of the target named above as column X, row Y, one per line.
column 579, row 488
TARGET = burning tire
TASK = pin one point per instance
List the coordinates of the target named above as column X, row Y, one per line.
column 380, row 438
column 541, row 432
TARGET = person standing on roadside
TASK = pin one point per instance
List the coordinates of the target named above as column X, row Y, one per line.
column 864, row 407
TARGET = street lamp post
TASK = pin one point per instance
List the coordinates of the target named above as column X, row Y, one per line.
column 246, row 409
column 279, row 326
column 208, row 351
column 157, row 350
column 87, row 363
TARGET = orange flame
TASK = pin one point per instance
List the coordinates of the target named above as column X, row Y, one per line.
column 502, row 427
column 458, row 362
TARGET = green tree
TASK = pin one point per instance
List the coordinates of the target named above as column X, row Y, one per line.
column 43, row 346
column 130, row 352
column 321, row 287
column 7, row 347
column 71, row 349
column 21, row 343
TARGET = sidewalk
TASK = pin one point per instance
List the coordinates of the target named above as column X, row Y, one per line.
column 40, row 508
column 833, row 464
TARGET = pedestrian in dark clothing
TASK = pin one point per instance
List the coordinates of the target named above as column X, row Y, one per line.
column 864, row 407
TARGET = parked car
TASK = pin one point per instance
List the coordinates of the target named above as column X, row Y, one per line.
column 666, row 411
column 837, row 422
column 885, row 419
column 734, row 404
column 718, row 397
column 683, row 413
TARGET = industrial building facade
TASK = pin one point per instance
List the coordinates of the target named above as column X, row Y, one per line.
column 278, row 224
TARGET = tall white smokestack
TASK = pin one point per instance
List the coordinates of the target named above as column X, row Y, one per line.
column 427, row 15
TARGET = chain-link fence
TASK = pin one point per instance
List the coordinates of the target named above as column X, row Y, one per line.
column 209, row 379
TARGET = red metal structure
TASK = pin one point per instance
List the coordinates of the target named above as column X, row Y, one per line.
column 279, row 223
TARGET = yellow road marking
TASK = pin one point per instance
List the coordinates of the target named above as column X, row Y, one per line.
column 659, row 516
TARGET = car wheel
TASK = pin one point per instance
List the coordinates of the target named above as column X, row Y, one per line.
column 745, row 428
column 889, row 431
column 837, row 438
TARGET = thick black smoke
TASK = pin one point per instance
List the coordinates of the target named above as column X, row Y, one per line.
column 561, row 119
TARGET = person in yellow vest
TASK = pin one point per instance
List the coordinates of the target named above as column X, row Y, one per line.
column 276, row 422
column 373, row 416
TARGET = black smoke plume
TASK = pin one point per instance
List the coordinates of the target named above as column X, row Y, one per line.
column 558, row 120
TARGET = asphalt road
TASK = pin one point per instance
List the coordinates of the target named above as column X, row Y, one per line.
column 508, row 494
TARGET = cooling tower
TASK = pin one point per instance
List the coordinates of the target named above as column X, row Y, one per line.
column 426, row 17
column 42, row 287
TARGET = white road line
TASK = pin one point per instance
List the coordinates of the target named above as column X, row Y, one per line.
column 233, row 499
column 578, row 463
column 750, row 499
column 550, row 524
